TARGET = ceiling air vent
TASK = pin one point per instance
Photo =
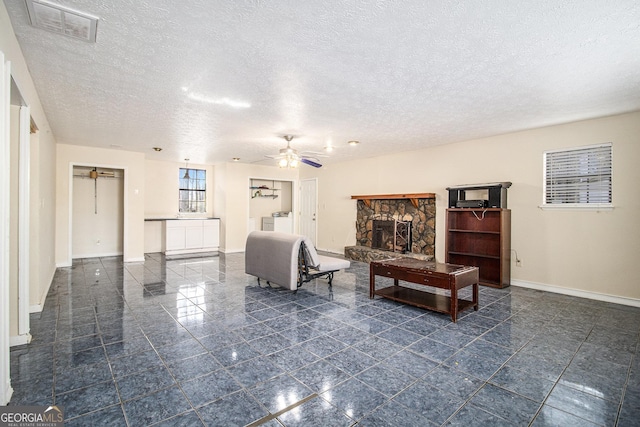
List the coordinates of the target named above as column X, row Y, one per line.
column 62, row 20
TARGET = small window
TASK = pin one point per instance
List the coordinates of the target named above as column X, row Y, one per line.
column 192, row 190
column 578, row 177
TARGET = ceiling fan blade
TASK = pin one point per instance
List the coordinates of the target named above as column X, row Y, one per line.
column 310, row 163
column 313, row 154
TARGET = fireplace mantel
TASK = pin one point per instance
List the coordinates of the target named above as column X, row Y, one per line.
column 413, row 197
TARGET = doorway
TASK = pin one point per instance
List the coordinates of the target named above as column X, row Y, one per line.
column 97, row 212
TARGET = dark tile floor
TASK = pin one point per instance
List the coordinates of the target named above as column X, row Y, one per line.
column 195, row 341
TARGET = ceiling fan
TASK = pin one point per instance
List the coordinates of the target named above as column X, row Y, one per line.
column 289, row 157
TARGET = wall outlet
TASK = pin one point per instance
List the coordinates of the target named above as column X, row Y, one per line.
column 98, row 242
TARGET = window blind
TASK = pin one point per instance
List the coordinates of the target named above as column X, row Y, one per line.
column 579, row 176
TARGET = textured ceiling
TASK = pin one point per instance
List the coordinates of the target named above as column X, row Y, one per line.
column 395, row 75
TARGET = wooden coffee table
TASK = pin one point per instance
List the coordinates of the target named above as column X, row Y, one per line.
column 444, row 276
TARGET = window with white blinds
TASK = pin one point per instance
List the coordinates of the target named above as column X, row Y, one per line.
column 578, row 177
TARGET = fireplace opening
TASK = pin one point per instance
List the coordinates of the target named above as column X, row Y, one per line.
column 391, row 235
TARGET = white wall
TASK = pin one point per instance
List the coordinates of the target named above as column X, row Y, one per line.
column 589, row 251
column 134, row 186
column 97, row 215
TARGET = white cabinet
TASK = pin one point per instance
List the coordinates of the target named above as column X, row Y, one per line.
column 175, row 236
column 192, row 236
column 211, row 233
column 282, row 224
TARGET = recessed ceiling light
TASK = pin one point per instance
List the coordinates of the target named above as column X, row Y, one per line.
column 236, row 159
column 157, row 148
column 353, row 143
column 62, row 20
column 328, row 148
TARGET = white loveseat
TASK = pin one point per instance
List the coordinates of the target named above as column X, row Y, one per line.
column 287, row 260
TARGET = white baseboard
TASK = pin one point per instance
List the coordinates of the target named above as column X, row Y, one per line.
column 37, row 308
column 102, row 255
column 633, row 302
column 231, row 251
column 63, row 264
column 137, row 259
column 19, row 340
column 190, row 251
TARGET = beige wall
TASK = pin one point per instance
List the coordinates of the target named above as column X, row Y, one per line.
column 161, row 188
column 43, row 216
column 220, row 200
column 134, row 185
column 233, row 196
column 588, row 251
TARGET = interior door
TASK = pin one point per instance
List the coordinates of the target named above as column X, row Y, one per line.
column 308, row 208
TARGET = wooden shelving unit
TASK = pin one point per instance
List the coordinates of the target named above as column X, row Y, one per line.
column 481, row 237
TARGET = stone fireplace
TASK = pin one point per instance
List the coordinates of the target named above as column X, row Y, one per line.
column 394, row 225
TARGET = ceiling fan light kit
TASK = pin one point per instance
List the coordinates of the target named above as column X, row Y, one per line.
column 289, row 157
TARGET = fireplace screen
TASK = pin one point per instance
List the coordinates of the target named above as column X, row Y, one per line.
column 392, row 235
